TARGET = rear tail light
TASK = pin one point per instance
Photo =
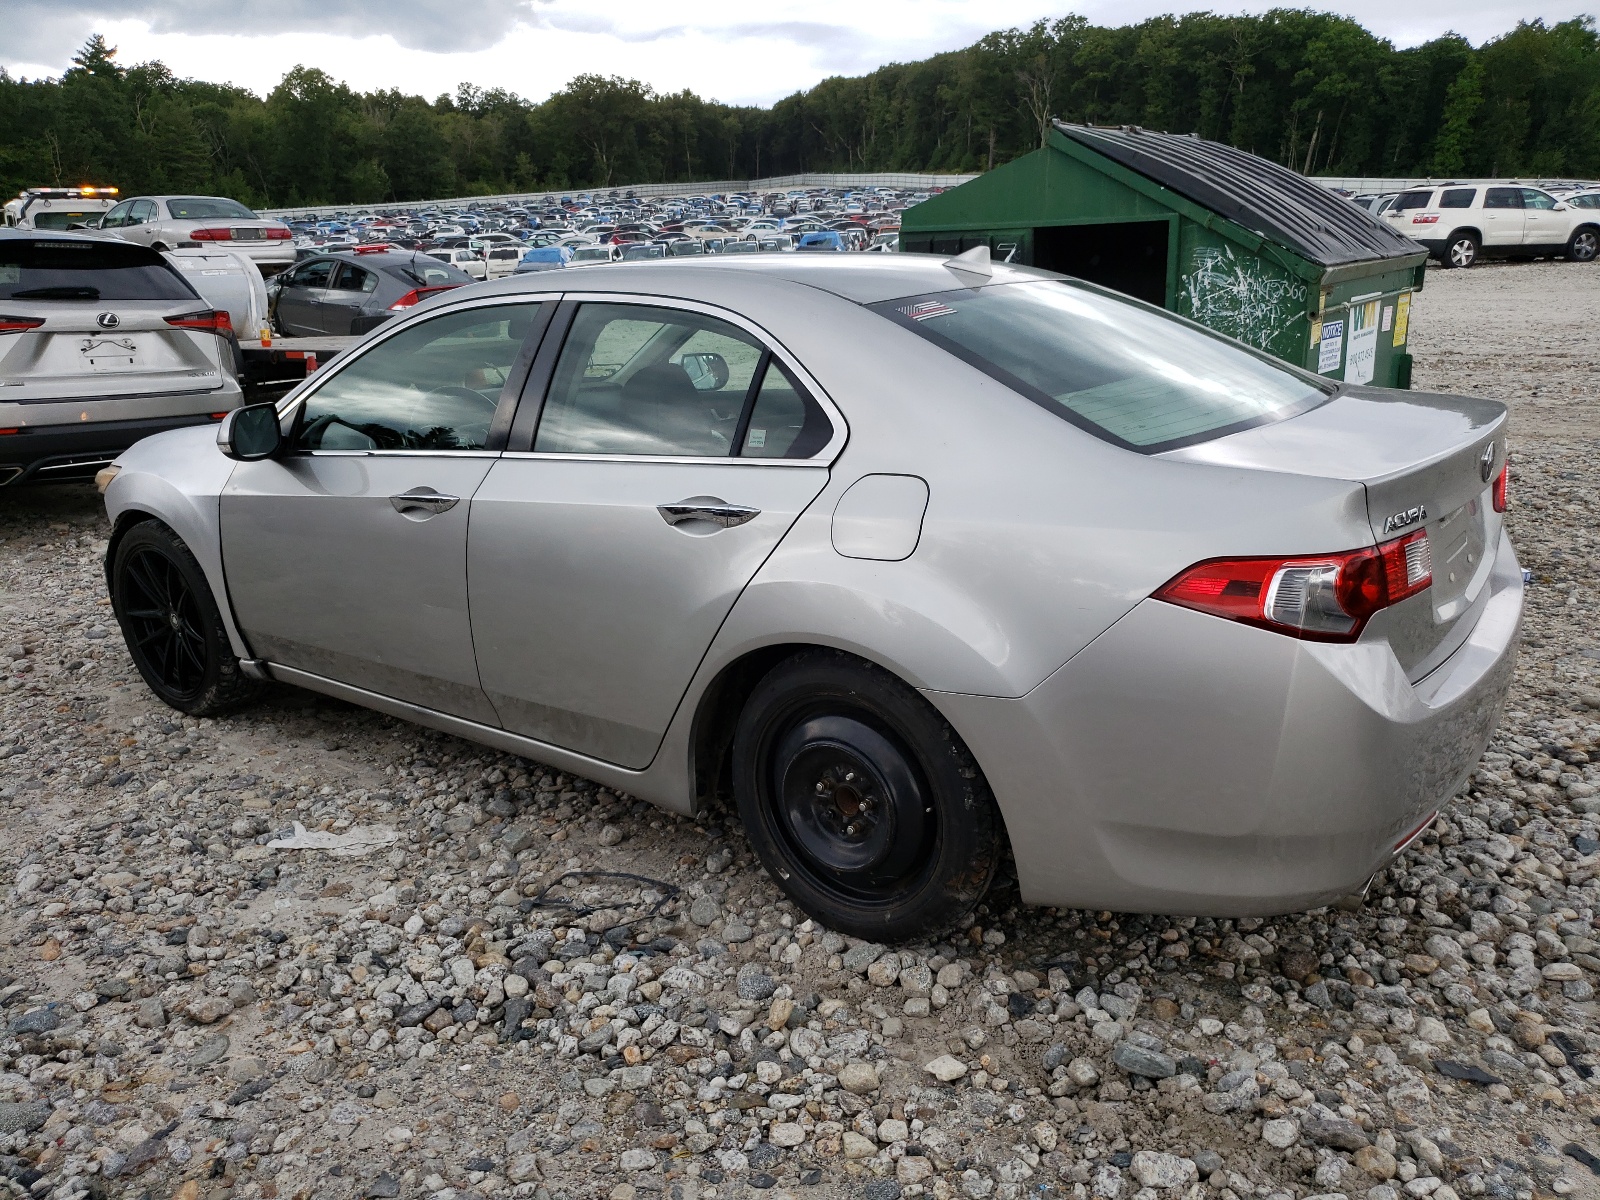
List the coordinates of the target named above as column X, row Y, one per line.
column 19, row 324
column 278, row 235
column 1502, row 484
column 1326, row 598
column 211, row 320
column 211, row 235
column 1432, row 219
column 416, row 296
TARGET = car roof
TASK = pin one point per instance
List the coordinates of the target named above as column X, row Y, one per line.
column 864, row 279
column 50, row 235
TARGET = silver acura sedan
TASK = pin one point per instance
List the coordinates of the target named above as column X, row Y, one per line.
column 914, row 559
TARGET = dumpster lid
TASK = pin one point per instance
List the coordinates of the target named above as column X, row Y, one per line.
column 1281, row 205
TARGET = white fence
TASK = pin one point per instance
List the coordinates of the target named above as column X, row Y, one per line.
column 779, row 183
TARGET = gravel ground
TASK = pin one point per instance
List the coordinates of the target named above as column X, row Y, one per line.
column 452, row 996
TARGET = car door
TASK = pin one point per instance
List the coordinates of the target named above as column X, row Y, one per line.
column 346, row 557
column 342, row 302
column 300, row 298
column 673, row 451
column 1543, row 226
column 1503, row 218
column 140, row 222
column 117, row 216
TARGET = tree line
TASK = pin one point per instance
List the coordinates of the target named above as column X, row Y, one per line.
column 1314, row 91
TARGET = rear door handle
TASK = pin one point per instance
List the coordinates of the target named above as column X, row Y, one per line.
column 707, row 508
column 423, row 499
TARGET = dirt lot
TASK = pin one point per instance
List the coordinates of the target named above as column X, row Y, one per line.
column 190, row 1011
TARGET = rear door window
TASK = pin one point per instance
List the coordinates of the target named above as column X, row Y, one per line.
column 1410, row 200
column 656, row 381
column 1502, row 197
column 90, row 269
column 352, row 278
column 1139, row 379
column 1457, row 197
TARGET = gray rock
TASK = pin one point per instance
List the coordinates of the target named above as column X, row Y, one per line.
column 756, row 986
column 416, row 1014
column 705, row 910
column 516, row 1011
column 1329, row 1130
column 40, row 1020
column 859, row 957
column 26, row 1115
column 1207, row 1162
column 1154, row 1170
column 213, row 1049
column 735, row 932
column 1137, row 1060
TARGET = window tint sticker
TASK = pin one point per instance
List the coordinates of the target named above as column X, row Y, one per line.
column 1331, row 356
column 927, row 309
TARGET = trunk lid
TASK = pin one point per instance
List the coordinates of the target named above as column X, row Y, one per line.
column 74, row 357
column 1426, row 462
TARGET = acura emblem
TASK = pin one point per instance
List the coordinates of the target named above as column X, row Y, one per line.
column 108, row 320
column 1486, row 462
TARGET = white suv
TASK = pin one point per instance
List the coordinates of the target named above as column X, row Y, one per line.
column 1459, row 223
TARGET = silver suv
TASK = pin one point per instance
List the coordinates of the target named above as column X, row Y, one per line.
column 101, row 343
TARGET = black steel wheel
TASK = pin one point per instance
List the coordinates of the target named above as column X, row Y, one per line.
column 171, row 624
column 861, row 801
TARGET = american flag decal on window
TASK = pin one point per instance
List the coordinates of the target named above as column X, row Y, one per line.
column 928, row 308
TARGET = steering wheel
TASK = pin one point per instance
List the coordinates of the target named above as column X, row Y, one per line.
column 474, row 432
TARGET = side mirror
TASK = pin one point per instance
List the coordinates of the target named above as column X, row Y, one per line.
column 251, row 433
column 706, row 371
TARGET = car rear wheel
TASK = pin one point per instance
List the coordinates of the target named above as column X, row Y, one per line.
column 1461, row 250
column 861, row 801
column 171, row 624
column 1584, row 244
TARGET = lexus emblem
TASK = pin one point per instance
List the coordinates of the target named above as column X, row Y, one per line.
column 108, row 320
column 1486, row 462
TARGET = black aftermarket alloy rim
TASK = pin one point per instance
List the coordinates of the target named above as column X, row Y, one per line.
column 164, row 621
column 851, row 806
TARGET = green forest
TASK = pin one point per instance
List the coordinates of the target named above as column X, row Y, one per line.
column 1314, row 91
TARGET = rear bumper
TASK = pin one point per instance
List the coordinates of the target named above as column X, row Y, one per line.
column 1186, row 764
column 56, row 453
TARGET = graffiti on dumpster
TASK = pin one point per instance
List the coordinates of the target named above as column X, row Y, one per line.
column 1239, row 295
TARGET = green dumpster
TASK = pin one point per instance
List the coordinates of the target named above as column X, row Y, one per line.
column 1242, row 245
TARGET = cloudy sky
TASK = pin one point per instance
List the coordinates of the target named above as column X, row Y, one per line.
column 739, row 53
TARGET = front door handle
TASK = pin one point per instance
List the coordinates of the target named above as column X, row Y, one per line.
column 423, row 499
column 707, row 508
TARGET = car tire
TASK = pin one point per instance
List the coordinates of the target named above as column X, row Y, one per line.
column 1461, row 250
column 861, row 801
column 1584, row 244
column 171, row 625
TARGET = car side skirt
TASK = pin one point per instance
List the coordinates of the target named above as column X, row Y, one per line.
column 636, row 783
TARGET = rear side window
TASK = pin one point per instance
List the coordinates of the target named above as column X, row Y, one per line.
column 1410, row 200
column 1134, row 377
column 38, row 269
column 1502, row 197
column 1457, row 197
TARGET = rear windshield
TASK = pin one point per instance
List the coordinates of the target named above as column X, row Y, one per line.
column 423, row 271
column 37, row 269
column 60, row 219
column 1132, row 376
column 1413, row 200
column 207, row 208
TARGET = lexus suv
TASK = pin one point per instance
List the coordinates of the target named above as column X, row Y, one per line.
column 101, row 343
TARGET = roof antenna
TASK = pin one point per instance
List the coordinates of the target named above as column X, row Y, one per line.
column 977, row 261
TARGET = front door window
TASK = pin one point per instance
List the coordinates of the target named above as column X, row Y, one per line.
column 433, row 386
